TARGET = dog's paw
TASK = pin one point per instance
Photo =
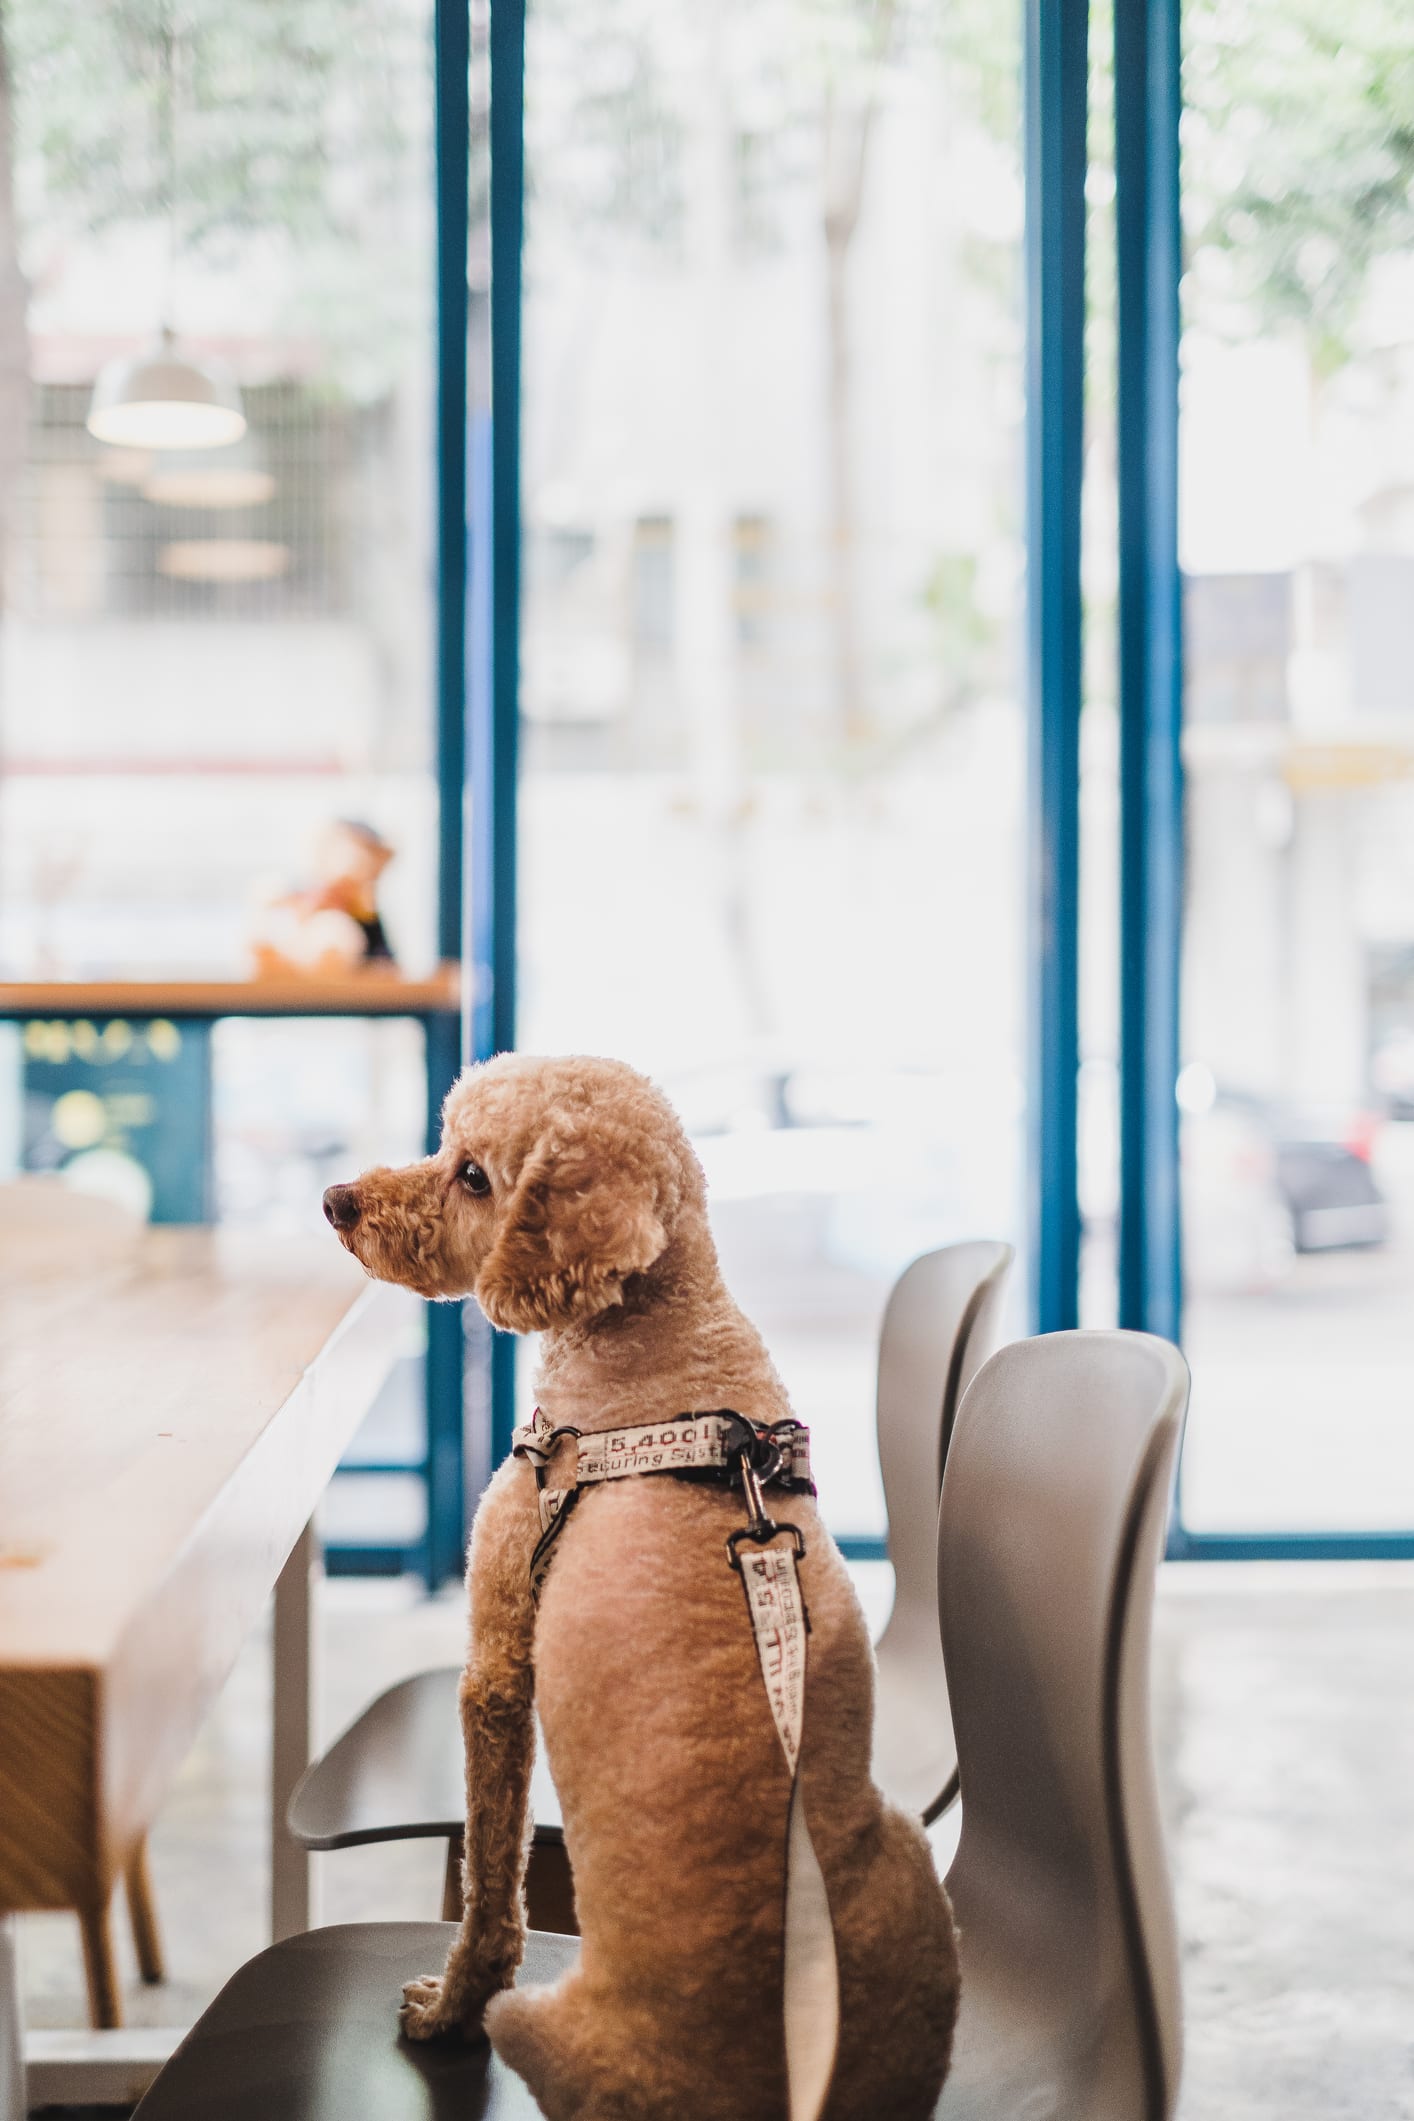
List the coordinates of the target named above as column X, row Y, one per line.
column 431, row 2011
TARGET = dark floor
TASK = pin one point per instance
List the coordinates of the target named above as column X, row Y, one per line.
column 1285, row 1712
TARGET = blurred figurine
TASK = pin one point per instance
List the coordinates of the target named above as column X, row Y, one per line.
column 334, row 927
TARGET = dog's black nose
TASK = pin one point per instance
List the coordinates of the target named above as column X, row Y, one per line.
column 341, row 1205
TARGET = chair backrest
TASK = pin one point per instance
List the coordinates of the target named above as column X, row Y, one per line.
column 1054, row 1509
column 941, row 1323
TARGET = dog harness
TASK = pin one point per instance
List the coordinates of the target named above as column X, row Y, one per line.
column 723, row 1449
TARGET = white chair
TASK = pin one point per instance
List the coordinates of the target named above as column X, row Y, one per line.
column 942, row 1322
column 1053, row 1515
column 1055, row 1506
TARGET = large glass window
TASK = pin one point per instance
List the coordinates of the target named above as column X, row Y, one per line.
column 1298, row 551
column 208, row 654
column 773, row 800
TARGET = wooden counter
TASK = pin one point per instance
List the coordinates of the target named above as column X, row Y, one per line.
column 360, row 994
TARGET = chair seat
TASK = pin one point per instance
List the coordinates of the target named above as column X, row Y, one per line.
column 308, row 2031
column 397, row 1774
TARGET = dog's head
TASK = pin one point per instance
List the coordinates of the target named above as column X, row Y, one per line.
column 556, row 1181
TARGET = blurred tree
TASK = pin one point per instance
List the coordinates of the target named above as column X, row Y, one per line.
column 863, row 42
column 604, row 130
column 261, row 99
column 233, row 121
column 1298, row 160
column 798, row 100
column 1298, row 149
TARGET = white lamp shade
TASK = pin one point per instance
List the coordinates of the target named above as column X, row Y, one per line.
column 157, row 400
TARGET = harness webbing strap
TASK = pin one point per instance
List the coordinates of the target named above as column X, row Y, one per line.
column 703, row 1445
column 812, row 1990
column 691, row 1443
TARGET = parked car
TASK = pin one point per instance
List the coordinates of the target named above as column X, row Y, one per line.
column 1392, row 1072
column 1330, row 1192
column 1262, row 1182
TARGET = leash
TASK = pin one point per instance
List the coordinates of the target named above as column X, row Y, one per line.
column 724, row 1449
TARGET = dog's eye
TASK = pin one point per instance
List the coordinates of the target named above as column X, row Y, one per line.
column 474, row 1179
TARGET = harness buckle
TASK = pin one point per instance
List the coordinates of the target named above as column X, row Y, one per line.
column 758, row 1452
column 760, row 1457
column 760, row 1535
column 756, row 1515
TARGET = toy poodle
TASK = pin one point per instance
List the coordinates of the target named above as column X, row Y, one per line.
column 566, row 1198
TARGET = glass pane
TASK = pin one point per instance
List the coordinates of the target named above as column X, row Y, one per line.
column 210, row 653
column 773, row 801
column 1298, row 548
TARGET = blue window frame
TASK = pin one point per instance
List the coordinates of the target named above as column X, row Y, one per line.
column 484, row 568
column 477, row 686
column 493, row 912
column 1148, row 104
column 1147, row 247
column 1055, row 60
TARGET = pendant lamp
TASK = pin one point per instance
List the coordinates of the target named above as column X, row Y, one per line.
column 161, row 399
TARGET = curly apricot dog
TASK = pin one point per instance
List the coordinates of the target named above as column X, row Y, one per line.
column 566, row 1198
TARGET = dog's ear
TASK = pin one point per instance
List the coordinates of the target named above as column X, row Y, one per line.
column 579, row 1222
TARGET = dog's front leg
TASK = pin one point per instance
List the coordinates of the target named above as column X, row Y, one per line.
column 498, row 1731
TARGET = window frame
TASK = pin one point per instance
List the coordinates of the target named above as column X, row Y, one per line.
column 1147, row 82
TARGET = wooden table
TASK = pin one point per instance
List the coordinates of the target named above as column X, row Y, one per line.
column 77, row 1020
column 173, row 1403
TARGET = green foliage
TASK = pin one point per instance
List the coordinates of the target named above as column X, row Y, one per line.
column 603, row 136
column 1298, row 155
column 1298, row 161
column 272, row 101
column 239, row 121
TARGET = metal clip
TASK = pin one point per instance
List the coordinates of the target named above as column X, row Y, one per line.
column 756, row 1518
column 761, row 1537
column 759, row 1527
